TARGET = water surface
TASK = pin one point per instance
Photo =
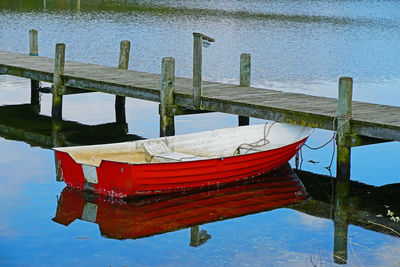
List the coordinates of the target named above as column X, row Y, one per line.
column 296, row 46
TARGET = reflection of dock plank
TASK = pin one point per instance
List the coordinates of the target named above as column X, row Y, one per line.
column 20, row 122
column 372, row 120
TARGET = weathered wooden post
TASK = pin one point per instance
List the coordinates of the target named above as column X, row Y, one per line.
column 59, row 62
column 198, row 40
column 34, row 51
column 245, row 70
column 33, row 43
column 167, row 125
column 123, row 63
column 344, row 127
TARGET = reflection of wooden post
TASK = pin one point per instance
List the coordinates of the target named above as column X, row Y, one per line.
column 34, row 51
column 123, row 64
column 344, row 127
column 59, row 61
column 340, row 221
column 167, row 125
column 245, row 70
column 57, row 142
column 194, row 236
column 59, row 171
column 198, row 238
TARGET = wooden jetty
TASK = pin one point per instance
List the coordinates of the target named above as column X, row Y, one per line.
column 356, row 123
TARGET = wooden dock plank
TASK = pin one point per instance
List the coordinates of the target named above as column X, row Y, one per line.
column 372, row 120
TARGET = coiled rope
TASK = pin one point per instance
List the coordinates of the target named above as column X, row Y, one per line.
column 259, row 143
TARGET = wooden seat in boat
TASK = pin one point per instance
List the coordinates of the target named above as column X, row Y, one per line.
column 160, row 152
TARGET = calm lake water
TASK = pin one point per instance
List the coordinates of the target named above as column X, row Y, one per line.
column 296, row 46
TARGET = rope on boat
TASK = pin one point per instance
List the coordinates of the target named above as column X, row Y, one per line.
column 256, row 144
column 251, row 146
column 188, row 157
column 346, row 118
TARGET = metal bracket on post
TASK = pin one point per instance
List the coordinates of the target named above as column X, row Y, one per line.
column 199, row 40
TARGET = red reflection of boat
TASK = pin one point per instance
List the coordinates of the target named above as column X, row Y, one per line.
column 136, row 218
column 182, row 162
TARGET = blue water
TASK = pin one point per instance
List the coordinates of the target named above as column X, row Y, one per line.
column 296, row 46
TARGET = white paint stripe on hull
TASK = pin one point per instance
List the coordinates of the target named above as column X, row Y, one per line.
column 90, row 173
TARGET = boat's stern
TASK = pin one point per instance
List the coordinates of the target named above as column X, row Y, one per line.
column 109, row 178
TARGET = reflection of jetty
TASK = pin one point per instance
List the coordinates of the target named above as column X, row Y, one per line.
column 343, row 201
column 22, row 123
column 356, row 123
column 347, row 202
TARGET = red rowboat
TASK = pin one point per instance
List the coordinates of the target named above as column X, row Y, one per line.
column 182, row 162
column 141, row 217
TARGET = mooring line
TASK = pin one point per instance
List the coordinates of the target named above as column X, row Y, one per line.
column 335, row 132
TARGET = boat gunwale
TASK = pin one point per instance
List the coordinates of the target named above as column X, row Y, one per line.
column 305, row 134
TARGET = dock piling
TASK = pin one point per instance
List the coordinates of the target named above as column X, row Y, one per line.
column 167, row 124
column 197, row 65
column 34, row 51
column 344, row 127
column 245, row 70
column 123, row 63
column 59, row 62
column 198, row 41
